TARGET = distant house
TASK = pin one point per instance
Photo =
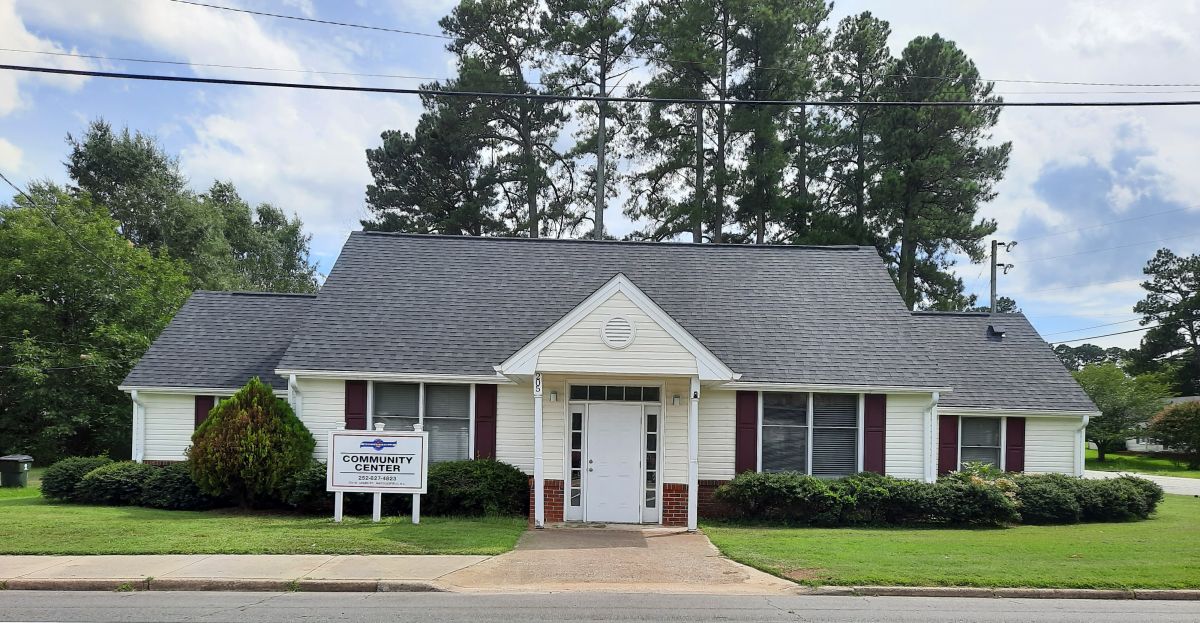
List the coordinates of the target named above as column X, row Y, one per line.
column 1145, row 444
column 627, row 379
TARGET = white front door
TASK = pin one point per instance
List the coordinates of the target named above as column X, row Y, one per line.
column 614, row 489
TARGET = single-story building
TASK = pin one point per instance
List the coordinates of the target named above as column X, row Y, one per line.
column 627, row 379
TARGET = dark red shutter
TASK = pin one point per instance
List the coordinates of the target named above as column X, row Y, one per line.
column 485, row 421
column 204, row 404
column 874, row 432
column 746, row 433
column 356, row 405
column 947, row 444
column 1014, row 449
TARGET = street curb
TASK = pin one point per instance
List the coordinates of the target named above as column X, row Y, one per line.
column 219, row 584
column 1005, row 593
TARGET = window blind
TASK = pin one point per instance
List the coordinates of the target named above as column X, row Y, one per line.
column 835, row 435
column 784, row 432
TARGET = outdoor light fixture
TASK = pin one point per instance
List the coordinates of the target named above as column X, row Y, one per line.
column 553, row 396
column 675, row 400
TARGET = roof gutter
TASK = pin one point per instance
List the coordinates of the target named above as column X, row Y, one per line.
column 139, row 427
column 1080, row 438
column 931, row 422
column 829, row 387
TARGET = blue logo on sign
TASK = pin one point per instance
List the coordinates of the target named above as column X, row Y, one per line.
column 377, row 444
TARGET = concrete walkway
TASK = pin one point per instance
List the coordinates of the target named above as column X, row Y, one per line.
column 1170, row 484
column 215, row 572
column 615, row 559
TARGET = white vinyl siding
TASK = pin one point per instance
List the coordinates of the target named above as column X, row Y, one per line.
column 1050, row 444
column 170, row 422
column 904, row 445
column 323, row 409
column 581, row 348
column 554, row 425
column 514, row 426
column 674, row 433
column 718, row 422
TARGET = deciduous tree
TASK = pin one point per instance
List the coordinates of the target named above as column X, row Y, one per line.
column 1125, row 404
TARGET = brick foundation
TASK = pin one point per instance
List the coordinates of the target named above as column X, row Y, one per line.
column 706, row 505
column 674, row 504
column 157, row 463
column 552, row 498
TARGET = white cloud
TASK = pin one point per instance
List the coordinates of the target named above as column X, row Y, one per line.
column 10, row 157
column 302, row 151
column 15, row 35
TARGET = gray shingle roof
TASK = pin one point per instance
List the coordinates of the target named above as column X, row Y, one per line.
column 1016, row 371
column 451, row 305
column 221, row 340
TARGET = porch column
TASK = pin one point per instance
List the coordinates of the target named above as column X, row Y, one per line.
column 693, row 453
column 539, row 476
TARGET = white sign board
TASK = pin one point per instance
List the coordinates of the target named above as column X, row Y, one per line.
column 377, row 461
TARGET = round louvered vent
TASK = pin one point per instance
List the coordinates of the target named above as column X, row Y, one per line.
column 617, row 332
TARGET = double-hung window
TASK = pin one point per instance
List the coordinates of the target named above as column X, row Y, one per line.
column 447, row 415
column 979, row 440
column 813, row 434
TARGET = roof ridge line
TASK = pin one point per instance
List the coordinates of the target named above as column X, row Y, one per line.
column 254, row 293
column 675, row 243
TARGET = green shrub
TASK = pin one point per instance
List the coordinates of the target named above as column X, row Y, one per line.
column 1049, row 499
column 1115, row 499
column 866, row 498
column 172, row 488
column 61, row 480
column 787, row 497
column 305, row 490
column 1151, row 492
column 116, row 484
column 249, row 447
column 476, row 487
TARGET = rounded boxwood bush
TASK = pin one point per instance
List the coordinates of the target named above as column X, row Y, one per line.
column 61, row 480
column 305, row 492
column 116, row 484
column 1151, row 492
column 1114, row 499
column 171, row 487
column 476, row 487
column 787, row 497
column 249, row 447
column 1048, row 500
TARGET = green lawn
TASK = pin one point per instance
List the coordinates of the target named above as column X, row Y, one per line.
column 1145, row 464
column 1163, row 552
column 31, row 525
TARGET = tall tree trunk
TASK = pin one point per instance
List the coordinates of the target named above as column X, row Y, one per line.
column 698, row 210
column 802, row 175
column 906, row 270
column 860, row 187
column 531, row 189
column 719, row 181
column 601, row 110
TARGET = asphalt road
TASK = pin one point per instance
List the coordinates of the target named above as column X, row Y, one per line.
column 436, row 607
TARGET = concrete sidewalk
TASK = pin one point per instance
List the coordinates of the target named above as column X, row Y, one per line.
column 229, row 572
column 1170, row 484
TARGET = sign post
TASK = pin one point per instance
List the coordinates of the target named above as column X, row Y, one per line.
column 377, row 462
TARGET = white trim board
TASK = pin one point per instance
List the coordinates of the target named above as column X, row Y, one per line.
column 831, row 388
column 410, row 377
column 199, row 391
column 709, row 366
column 980, row 412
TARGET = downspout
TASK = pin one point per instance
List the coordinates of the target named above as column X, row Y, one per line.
column 1079, row 439
column 139, row 428
column 930, row 446
column 294, row 396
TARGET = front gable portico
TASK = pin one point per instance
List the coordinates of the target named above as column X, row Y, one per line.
column 618, row 330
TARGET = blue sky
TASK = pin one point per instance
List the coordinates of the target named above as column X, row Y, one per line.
column 1072, row 170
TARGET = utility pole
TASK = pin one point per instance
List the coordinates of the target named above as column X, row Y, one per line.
column 996, row 263
column 601, row 199
column 698, row 216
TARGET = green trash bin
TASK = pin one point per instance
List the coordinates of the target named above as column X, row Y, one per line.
column 14, row 470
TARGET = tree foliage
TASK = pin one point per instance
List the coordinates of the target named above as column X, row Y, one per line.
column 78, row 306
column 1178, row 427
column 1172, row 308
column 224, row 244
column 249, row 446
column 1076, row 357
column 1125, row 403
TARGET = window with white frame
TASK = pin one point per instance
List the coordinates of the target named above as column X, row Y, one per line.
column 447, row 415
column 784, row 432
column 813, row 434
column 979, row 440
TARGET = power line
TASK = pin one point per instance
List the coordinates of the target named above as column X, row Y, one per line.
column 127, row 59
column 594, row 98
column 1096, row 326
column 313, row 20
column 1124, row 246
column 1092, row 337
column 1105, row 224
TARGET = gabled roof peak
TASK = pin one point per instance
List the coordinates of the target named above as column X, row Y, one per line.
column 674, row 243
